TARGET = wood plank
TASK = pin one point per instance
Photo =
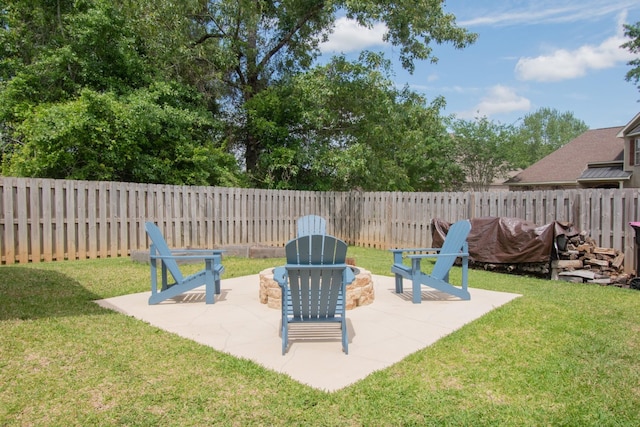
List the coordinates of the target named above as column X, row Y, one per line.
column 618, row 261
column 604, row 251
column 35, row 219
column 70, row 221
column 59, row 197
column 585, row 274
column 103, row 221
column 113, row 218
column 22, row 222
column 92, row 220
column 568, row 263
column 598, row 262
column 8, row 185
column 81, row 219
column 47, row 219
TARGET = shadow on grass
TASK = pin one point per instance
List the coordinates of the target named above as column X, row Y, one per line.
column 30, row 293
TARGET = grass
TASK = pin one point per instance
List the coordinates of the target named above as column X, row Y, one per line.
column 562, row 354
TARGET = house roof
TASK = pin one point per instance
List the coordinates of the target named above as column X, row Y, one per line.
column 613, row 172
column 567, row 164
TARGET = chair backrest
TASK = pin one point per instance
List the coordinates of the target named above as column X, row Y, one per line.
column 316, row 270
column 454, row 243
column 316, row 249
column 311, row 224
column 160, row 245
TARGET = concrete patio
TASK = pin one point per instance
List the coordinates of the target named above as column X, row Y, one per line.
column 380, row 334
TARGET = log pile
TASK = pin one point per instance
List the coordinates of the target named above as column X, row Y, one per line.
column 584, row 262
column 579, row 261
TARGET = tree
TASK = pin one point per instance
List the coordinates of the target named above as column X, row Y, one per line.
column 272, row 40
column 142, row 137
column 65, row 63
column 633, row 46
column 543, row 132
column 319, row 136
column 80, row 99
column 482, row 148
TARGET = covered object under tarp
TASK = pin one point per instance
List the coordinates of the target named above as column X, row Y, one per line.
column 504, row 240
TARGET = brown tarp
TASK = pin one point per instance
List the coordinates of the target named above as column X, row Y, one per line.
column 509, row 240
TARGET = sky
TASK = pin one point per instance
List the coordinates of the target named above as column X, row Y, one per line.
column 561, row 54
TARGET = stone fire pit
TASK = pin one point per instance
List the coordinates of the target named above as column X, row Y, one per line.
column 359, row 292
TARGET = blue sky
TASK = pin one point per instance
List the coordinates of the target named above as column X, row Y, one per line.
column 562, row 54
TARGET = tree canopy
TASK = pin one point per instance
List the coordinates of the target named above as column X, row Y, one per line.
column 273, row 40
column 482, row 150
column 79, row 99
column 487, row 150
column 542, row 132
column 195, row 91
column 633, row 46
column 229, row 92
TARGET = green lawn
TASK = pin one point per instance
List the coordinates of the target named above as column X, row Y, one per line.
column 562, row 354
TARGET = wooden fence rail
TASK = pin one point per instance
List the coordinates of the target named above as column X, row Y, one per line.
column 47, row 220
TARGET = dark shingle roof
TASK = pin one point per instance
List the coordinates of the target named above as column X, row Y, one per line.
column 566, row 164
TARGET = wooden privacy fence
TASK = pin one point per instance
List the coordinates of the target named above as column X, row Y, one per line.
column 46, row 220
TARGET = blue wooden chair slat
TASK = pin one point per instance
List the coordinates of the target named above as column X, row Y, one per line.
column 454, row 246
column 311, row 224
column 313, row 284
column 160, row 251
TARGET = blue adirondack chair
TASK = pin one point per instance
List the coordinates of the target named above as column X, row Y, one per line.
column 313, row 284
column 311, row 224
column 159, row 251
column 454, row 246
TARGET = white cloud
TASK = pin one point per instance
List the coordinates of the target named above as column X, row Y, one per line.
column 563, row 64
column 432, row 77
column 500, row 99
column 544, row 12
column 348, row 36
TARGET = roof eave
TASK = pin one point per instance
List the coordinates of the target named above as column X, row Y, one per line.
column 524, row 184
column 616, row 179
column 633, row 123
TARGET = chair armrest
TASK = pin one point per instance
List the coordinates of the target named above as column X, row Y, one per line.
column 280, row 275
column 416, row 250
column 348, row 275
column 456, row 254
column 416, row 258
column 398, row 253
column 199, row 251
column 215, row 257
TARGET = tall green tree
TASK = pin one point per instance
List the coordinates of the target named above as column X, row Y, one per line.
column 633, row 46
column 271, row 40
column 542, row 132
column 80, row 99
column 317, row 135
column 482, row 150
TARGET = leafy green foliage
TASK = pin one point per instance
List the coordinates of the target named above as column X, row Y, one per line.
column 317, row 135
column 482, row 149
column 273, row 41
column 543, row 132
column 84, row 103
column 146, row 136
column 106, row 90
column 633, row 46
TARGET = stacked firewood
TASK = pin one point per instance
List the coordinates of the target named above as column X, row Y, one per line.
column 578, row 260
column 583, row 261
